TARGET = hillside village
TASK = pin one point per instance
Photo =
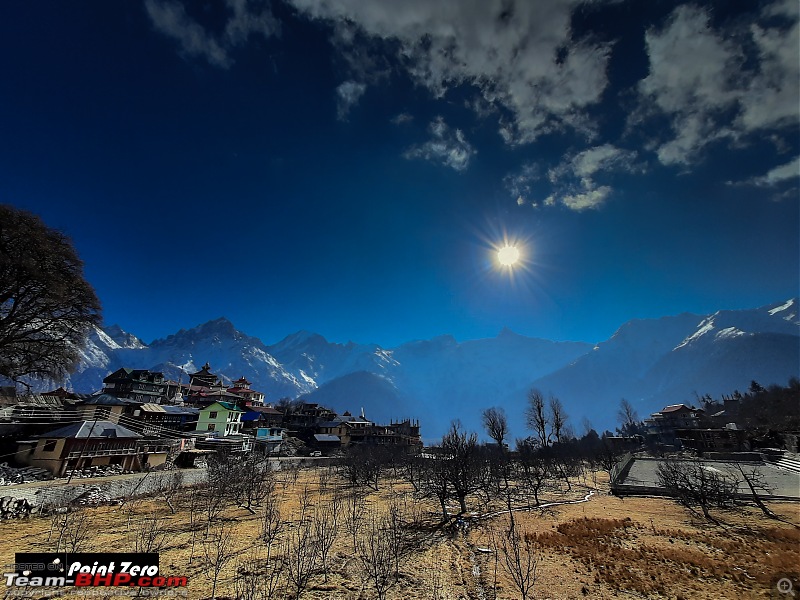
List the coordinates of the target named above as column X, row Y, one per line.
column 141, row 421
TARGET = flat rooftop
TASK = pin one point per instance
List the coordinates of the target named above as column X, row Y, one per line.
column 643, row 474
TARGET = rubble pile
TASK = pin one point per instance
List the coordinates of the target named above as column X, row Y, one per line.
column 12, row 475
column 15, row 508
column 96, row 471
column 93, row 496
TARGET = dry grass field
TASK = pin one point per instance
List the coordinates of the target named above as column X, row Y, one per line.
column 605, row 547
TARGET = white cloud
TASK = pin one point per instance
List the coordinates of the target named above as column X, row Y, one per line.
column 170, row 18
column 520, row 56
column 602, row 158
column 247, row 21
column 590, row 199
column 347, row 96
column 720, row 84
column 402, row 119
column 772, row 97
column 780, row 174
column 574, row 179
column 447, row 146
column 520, row 185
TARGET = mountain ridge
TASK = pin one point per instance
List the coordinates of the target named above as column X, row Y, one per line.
column 648, row 361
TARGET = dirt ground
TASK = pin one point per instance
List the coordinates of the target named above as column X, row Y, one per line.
column 605, row 547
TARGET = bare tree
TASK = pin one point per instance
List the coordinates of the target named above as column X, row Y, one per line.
column 535, row 468
column 301, row 549
column 168, row 483
column 520, row 561
column 757, row 484
column 218, row 550
column 433, row 480
column 149, row 534
column 496, row 425
column 257, row 482
column 536, row 417
column 75, row 530
column 271, row 520
column 248, row 583
column 258, row 579
column 326, row 530
column 694, row 484
column 194, row 504
column 355, row 508
column 376, row 553
column 626, row 415
column 363, row 465
column 558, row 418
column 462, row 463
column 401, row 542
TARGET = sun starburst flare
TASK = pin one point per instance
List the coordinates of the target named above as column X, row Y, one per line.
column 508, row 255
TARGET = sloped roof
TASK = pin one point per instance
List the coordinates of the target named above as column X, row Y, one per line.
column 267, row 410
column 352, row 419
column 251, row 415
column 673, row 408
column 93, row 429
column 326, row 437
column 180, row 410
column 109, row 400
column 226, row 406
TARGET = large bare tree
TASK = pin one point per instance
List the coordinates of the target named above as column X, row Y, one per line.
column 536, row 418
column 47, row 308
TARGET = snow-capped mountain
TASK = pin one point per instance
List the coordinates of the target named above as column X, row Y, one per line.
column 670, row 360
column 650, row 362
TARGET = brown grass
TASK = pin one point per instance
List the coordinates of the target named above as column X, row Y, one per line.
column 604, row 548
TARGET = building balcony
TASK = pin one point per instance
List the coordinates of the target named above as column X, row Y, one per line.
column 91, row 453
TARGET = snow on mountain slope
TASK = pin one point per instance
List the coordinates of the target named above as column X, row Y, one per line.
column 231, row 354
column 674, row 359
column 651, row 362
column 310, row 356
column 122, row 338
column 780, row 318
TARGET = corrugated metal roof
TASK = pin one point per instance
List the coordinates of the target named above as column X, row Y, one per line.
column 93, row 429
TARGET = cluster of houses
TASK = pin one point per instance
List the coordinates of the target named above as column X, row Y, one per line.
column 680, row 426
column 684, row 427
column 140, row 420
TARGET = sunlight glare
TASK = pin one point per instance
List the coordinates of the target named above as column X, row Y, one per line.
column 508, row 255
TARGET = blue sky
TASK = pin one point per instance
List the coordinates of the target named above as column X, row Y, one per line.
column 350, row 167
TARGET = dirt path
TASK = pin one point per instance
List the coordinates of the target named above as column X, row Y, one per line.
column 537, row 507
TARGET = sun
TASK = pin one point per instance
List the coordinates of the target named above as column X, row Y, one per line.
column 508, row 255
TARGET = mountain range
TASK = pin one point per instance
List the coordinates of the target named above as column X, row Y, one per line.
column 650, row 362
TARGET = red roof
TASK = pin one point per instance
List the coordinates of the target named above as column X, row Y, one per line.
column 673, row 408
column 243, row 391
column 265, row 410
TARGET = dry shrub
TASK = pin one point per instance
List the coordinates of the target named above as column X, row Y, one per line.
column 610, row 548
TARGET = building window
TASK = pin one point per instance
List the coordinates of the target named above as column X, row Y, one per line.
column 211, row 426
column 212, row 414
column 49, row 446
